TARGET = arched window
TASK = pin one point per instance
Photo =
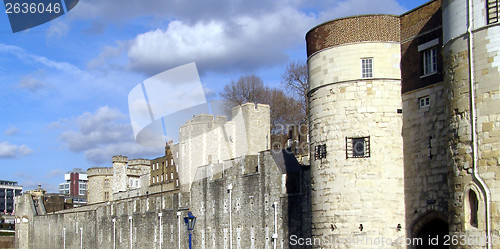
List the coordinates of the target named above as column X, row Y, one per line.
column 473, row 208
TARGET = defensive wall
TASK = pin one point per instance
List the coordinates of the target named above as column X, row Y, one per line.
column 247, row 205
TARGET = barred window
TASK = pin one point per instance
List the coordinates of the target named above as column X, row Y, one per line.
column 319, row 152
column 367, row 67
column 357, row 147
column 492, row 7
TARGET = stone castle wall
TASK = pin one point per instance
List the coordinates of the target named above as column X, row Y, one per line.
column 440, row 183
column 426, row 157
column 207, row 139
column 463, row 182
column 156, row 220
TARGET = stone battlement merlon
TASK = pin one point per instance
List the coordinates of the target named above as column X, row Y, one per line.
column 202, row 118
column 120, row 159
column 99, row 171
column 139, row 162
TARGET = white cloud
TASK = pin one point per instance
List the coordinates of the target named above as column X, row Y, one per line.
column 11, row 131
column 103, row 134
column 57, row 29
column 32, row 83
column 242, row 42
column 8, row 150
column 245, row 37
column 31, row 58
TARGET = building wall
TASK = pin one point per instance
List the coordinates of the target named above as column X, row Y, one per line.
column 156, row 220
column 207, row 139
column 418, row 28
column 100, row 182
column 164, row 171
column 486, row 46
column 126, row 175
column 425, row 128
column 8, row 191
column 351, row 196
column 120, row 180
column 426, row 156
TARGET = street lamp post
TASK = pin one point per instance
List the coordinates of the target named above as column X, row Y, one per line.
column 190, row 221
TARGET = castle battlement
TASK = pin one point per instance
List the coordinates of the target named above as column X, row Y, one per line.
column 120, row 159
column 139, row 162
column 99, row 171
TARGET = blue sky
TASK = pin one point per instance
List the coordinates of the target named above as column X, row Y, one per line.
column 64, row 84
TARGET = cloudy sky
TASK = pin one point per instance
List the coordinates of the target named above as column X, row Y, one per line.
column 64, row 84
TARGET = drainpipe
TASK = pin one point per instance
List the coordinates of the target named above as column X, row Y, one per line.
column 64, row 238
column 472, row 95
column 179, row 229
column 229, row 188
column 114, row 233
column 81, row 237
column 275, row 234
column 130, row 222
column 161, row 228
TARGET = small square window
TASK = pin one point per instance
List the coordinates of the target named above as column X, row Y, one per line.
column 366, row 67
column 424, row 102
column 357, row 147
column 430, row 61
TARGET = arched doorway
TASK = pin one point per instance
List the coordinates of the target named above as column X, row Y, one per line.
column 432, row 235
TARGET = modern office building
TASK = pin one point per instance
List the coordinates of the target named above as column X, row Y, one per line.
column 8, row 190
column 75, row 186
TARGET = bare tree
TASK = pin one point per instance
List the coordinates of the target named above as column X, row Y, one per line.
column 250, row 88
column 295, row 80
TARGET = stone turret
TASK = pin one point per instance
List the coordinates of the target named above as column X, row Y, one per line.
column 120, row 173
column 355, row 130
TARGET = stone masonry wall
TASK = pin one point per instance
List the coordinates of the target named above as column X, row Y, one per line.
column 358, row 197
column 486, row 44
column 425, row 155
column 96, row 184
column 156, row 220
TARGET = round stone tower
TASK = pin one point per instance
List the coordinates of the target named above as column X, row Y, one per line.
column 471, row 55
column 355, row 133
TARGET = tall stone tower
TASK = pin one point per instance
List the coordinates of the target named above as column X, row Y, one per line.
column 471, row 49
column 355, row 133
column 120, row 173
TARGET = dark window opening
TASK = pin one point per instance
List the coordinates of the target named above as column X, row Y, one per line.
column 473, row 206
